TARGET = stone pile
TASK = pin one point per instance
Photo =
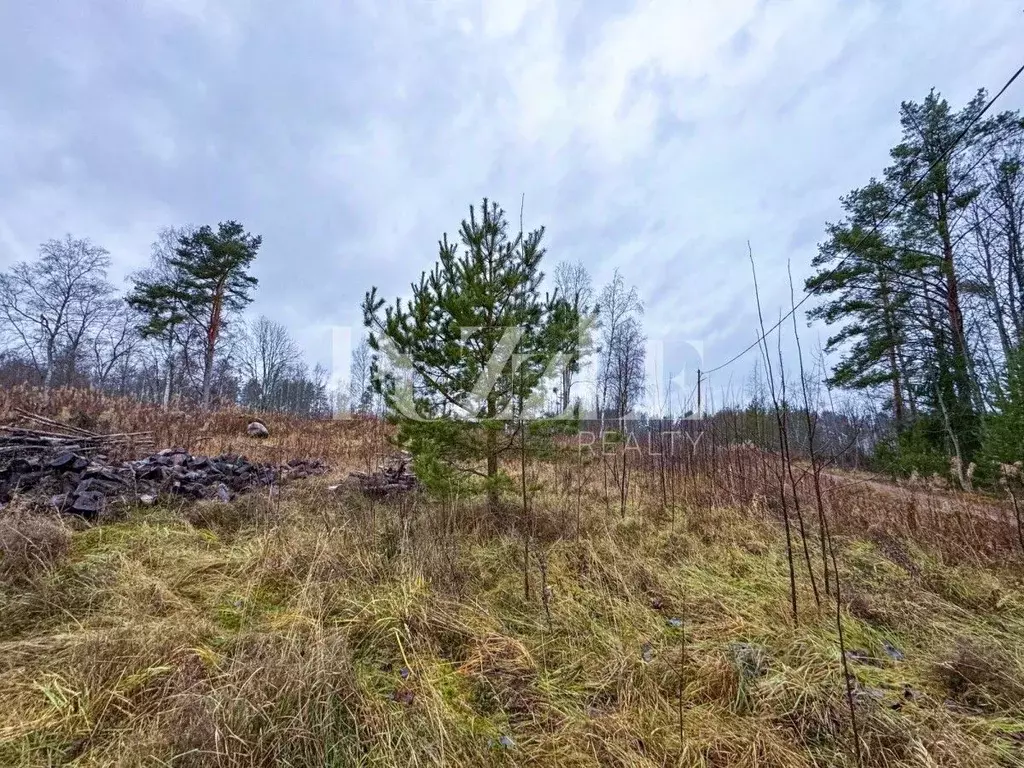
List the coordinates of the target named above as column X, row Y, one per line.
column 87, row 486
column 392, row 477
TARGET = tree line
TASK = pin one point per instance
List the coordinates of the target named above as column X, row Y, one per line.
column 176, row 334
column 923, row 281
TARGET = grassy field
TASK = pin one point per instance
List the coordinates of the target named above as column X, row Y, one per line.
column 316, row 627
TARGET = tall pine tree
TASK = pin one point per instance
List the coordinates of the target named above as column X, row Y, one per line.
column 861, row 268
column 210, row 280
column 935, row 164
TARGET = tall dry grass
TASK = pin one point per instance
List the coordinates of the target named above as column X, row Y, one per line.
column 342, row 442
column 310, row 627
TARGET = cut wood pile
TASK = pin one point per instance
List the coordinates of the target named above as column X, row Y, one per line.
column 25, row 441
column 392, row 477
column 63, row 467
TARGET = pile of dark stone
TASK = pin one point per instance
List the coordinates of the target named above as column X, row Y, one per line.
column 392, row 477
column 74, row 483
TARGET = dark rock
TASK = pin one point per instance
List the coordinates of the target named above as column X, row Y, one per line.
column 88, row 504
column 98, row 485
column 72, row 483
column 393, row 477
column 106, row 474
column 28, row 480
column 192, row 490
column 63, row 462
column 152, row 472
column 20, row 465
column 892, row 651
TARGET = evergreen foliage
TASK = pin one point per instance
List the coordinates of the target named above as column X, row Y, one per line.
column 209, row 280
column 471, row 353
column 923, row 280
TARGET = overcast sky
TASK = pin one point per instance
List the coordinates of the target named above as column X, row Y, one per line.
column 653, row 136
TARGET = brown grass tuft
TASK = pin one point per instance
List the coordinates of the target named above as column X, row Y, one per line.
column 30, row 545
column 980, row 674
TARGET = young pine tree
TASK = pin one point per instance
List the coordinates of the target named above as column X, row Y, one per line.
column 476, row 345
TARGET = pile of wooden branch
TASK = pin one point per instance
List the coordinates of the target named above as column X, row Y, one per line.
column 393, row 477
column 55, row 437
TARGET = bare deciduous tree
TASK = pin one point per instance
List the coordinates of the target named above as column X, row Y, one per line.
column 624, row 368
column 113, row 342
column 50, row 306
column 621, row 340
column 360, row 385
column 573, row 283
column 266, row 356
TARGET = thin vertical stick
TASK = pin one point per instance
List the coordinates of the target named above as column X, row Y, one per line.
column 778, row 418
column 812, row 425
column 682, row 674
column 787, row 458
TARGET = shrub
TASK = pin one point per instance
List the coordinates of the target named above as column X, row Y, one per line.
column 918, row 448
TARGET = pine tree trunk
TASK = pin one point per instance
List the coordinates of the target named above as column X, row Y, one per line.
column 956, row 317
column 492, row 458
column 212, row 333
column 207, row 375
column 890, row 329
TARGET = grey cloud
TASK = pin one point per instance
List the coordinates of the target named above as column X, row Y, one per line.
column 352, row 136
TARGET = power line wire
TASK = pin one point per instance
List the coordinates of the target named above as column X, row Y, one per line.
column 874, row 229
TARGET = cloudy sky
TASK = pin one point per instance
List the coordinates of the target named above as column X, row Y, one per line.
column 657, row 137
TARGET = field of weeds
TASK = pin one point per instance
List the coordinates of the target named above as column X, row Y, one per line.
column 315, row 627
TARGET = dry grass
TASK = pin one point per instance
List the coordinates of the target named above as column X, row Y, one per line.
column 317, row 628
column 340, row 441
column 30, row 544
